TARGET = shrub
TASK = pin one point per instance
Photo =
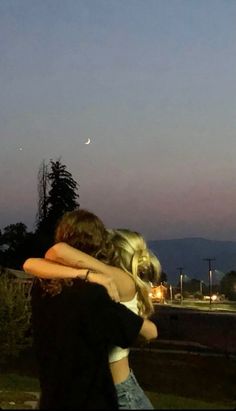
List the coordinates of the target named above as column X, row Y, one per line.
column 15, row 315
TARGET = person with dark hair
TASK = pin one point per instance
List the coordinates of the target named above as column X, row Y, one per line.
column 75, row 323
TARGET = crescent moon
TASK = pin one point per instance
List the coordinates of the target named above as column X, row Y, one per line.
column 88, row 142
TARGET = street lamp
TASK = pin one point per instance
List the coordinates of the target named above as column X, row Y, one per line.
column 181, row 287
column 201, row 282
column 210, row 276
column 181, row 282
column 171, row 293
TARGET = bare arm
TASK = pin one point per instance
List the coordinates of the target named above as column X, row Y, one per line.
column 63, row 253
column 148, row 330
column 40, row 267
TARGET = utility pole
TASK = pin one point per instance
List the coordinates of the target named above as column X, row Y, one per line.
column 210, row 276
column 181, row 282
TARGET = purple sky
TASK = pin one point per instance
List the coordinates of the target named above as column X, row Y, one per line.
column 152, row 83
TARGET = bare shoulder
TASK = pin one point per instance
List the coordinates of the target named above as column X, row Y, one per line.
column 124, row 282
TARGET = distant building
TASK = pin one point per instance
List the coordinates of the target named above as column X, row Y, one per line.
column 19, row 277
column 158, row 293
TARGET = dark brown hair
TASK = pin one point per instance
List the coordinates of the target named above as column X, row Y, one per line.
column 85, row 231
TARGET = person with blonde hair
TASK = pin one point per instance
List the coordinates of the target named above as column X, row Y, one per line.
column 133, row 256
column 127, row 270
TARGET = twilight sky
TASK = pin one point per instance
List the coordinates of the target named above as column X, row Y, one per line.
column 151, row 82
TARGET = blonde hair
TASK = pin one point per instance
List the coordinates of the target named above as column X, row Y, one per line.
column 134, row 257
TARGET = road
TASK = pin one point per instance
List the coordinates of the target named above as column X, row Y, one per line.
column 210, row 330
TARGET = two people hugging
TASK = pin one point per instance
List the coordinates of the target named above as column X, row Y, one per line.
column 90, row 302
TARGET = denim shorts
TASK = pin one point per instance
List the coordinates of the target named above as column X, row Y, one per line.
column 131, row 396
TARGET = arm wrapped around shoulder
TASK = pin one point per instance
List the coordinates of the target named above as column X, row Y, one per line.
column 149, row 330
column 113, row 321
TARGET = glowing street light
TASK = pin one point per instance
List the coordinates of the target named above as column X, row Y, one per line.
column 201, row 283
column 181, row 282
column 210, row 276
column 171, row 293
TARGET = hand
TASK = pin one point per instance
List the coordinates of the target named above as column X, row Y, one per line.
column 106, row 281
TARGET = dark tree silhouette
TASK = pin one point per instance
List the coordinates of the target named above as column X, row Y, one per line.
column 17, row 244
column 62, row 196
column 163, row 277
column 57, row 194
column 228, row 285
column 42, row 194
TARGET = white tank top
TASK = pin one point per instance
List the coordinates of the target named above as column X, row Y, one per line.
column 116, row 353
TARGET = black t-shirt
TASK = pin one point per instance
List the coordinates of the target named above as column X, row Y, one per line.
column 73, row 332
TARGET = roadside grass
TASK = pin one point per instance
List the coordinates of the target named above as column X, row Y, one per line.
column 188, row 380
column 204, row 305
column 17, row 399
column 171, row 381
column 174, row 402
column 16, row 390
column 16, row 382
column 11, row 400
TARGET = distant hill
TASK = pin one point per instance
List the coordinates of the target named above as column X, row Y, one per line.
column 190, row 252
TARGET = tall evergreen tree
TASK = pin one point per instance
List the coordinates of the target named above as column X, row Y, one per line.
column 62, row 196
column 57, row 194
column 42, row 194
